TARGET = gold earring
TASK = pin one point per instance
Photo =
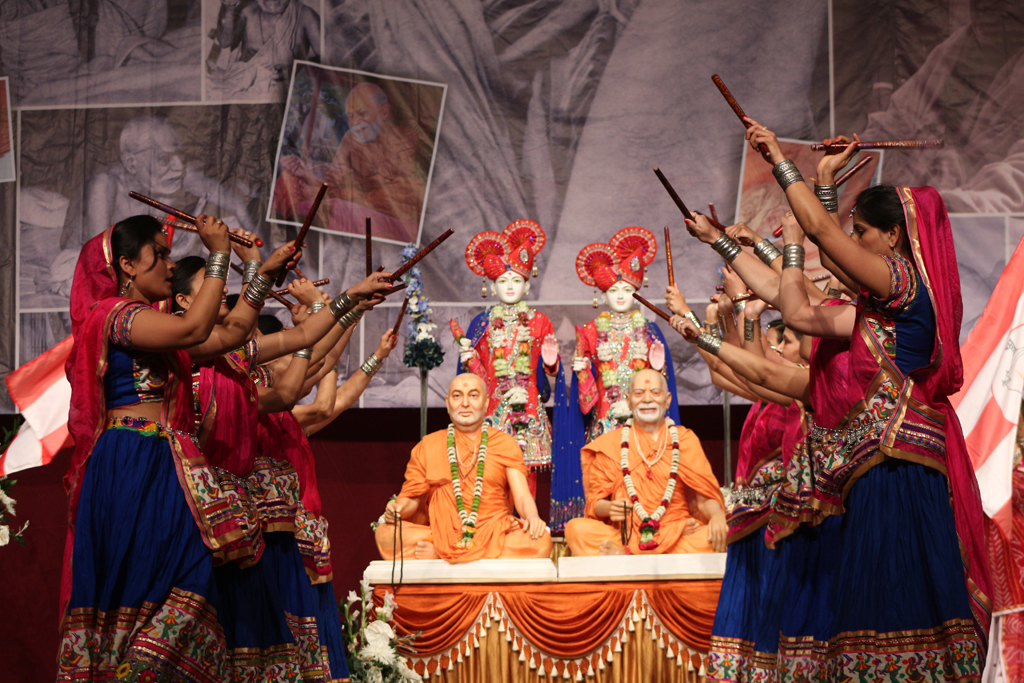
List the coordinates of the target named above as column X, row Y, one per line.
column 595, row 298
column 483, row 289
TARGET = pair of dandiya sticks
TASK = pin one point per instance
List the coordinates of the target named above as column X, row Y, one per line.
column 182, row 220
column 833, row 148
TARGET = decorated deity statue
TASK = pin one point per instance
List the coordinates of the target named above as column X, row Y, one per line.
column 610, row 349
column 510, row 345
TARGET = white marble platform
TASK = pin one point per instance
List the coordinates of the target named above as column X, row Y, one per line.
column 568, row 570
column 642, row 568
column 481, row 571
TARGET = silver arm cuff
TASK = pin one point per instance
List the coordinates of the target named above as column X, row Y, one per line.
column 693, row 318
column 793, row 256
column 250, row 268
column 217, row 264
column 306, row 353
column 351, row 318
column 786, row 173
column 371, row 365
column 727, row 248
column 828, row 195
column 341, row 305
column 256, row 291
column 710, row 343
column 767, row 252
column 317, row 306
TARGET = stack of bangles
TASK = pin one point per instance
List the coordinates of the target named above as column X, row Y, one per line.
column 828, row 195
column 372, row 364
column 793, row 256
column 749, row 326
column 249, row 270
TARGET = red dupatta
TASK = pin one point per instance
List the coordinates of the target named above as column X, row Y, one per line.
column 931, row 239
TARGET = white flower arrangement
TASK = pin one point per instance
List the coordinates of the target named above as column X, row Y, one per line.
column 6, row 501
column 372, row 639
column 620, row 409
column 605, row 350
column 517, row 396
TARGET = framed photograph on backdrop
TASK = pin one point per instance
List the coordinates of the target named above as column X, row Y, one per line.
column 761, row 203
column 7, row 173
column 370, row 138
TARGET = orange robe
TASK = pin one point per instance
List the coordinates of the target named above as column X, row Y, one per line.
column 428, row 478
column 603, row 480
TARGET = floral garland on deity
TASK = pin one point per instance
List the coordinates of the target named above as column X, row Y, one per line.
column 650, row 523
column 468, row 519
column 509, row 333
column 616, row 373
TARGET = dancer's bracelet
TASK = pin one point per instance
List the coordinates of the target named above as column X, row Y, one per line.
column 793, row 256
column 250, row 268
column 256, row 291
column 306, row 353
column 767, row 252
column 371, row 365
column 727, row 248
column 342, row 304
column 786, row 173
column 351, row 318
column 710, row 343
column 217, row 264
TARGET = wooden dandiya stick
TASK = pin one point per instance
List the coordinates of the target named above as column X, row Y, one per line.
column 401, row 314
column 714, row 214
column 762, row 148
column 839, row 181
column 187, row 221
column 657, row 311
column 834, row 148
column 423, row 252
column 280, row 299
column 672, row 193
column 745, row 296
column 369, row 248
column 305, row 227
column 822, row 277
column 318, row 283
column 668, row 256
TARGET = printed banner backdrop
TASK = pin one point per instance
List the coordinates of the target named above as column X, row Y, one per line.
column 370, row 139
column 552, row 111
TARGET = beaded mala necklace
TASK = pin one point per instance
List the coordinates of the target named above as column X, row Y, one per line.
column 468, row 520
column 650, row 523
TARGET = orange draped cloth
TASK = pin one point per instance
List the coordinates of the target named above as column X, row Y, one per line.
column 603, row 480
column 574, row 623
column 428, row 479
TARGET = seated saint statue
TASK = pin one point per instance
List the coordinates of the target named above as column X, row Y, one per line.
column 461, row 488
column 649, row 487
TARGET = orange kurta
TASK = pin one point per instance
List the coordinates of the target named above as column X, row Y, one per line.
column 603, row 480
column 428, row 479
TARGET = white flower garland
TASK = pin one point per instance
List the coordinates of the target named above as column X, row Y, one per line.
column 672, row 477
column 468, row 518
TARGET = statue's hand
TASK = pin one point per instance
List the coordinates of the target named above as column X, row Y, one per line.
column 718, row 532
column 466, row 350
column 534, row 526
column 549, row 351
column 657, row 355
column 392, row 511
column 690, row 526
column 580, row 363
column 619, row 509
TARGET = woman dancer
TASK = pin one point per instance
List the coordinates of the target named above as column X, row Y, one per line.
column 139, row 599
column 277, row 609
column 886, row 576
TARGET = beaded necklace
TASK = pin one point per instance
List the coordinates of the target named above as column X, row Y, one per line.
column 468, row 519
column 649, row 524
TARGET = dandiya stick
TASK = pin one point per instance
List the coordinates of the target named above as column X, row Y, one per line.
column 187, row 219
column 672, row 193
column 714, row 214
column 280, row 299
column 668, row 255
column 423, row 252
column 762, row 148
column 657, row 311
column 318, row 283
column 305, row 226
column 369, row 249
column 839, row 181
column 401, row 314
column 822, row 277
column 935, row 143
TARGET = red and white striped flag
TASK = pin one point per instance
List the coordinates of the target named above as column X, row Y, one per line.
column 989, row 404
column 43, row 395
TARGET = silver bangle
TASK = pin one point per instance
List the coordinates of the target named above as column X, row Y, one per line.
column 727, row 248
column 738, row 307
column 710, row 343
column 693, row 318
column 767, row 252
column 828, row 195
column 217, row 264
column 786, row 173
column 351, row 318
column 317, row 306
column 306, row 353
column 250, row 268
column 256, row 291
column 371, row 365
column 793, row 256
column 748, row 328
column 341, row 305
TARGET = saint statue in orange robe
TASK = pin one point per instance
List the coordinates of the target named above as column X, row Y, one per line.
column 619, row 520
column 432, row 526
